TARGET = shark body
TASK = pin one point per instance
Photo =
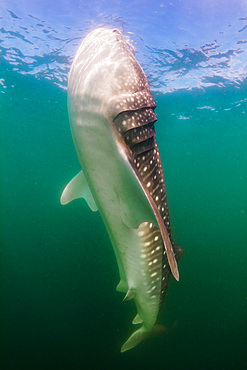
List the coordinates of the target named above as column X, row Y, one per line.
column 111, row 111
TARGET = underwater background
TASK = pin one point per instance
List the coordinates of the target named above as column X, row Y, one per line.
column 59, row 306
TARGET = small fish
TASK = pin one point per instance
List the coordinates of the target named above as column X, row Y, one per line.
column 111, row 112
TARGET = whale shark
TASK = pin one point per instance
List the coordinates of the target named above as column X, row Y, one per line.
column 111, row 113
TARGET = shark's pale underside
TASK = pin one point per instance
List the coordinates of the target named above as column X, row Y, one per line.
column 111, row 111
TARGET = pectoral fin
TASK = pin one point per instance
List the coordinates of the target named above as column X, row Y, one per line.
column 78, row 188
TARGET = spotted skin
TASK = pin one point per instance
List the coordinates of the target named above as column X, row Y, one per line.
column 112, row 118
column 137, row 128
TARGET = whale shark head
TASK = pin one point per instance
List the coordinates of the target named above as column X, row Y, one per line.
column 105, row 59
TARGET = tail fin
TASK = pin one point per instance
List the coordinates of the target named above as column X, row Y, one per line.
column 141, row 334
column 137, row 337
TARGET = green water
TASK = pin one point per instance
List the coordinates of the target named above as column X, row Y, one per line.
column 60, row 309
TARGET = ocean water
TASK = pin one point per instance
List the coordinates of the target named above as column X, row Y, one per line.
column 59, row 307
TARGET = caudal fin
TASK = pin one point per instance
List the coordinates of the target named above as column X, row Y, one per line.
column 137, row 337
column 141, row 334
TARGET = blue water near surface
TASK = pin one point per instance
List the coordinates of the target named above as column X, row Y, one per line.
column 59, row 307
